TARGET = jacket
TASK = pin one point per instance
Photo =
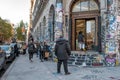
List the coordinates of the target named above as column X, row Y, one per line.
column 80, row 38
column 62, row 49
column 31, row 47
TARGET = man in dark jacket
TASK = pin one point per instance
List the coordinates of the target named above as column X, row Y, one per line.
column 31, row 49
column 16, row 50
column 62, row 51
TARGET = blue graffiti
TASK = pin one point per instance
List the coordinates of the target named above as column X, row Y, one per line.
column 112, row 28
column 111, row 19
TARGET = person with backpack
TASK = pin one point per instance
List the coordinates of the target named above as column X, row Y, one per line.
column 62, row 51
column 31, row 49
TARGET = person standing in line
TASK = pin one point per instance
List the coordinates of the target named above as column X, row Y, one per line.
column 81, row 41
column 31, row 49
column 16, row 50
column 62, row 51
column 40, row 53
column 37, row 49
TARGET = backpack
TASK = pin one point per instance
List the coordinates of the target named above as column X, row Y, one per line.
column 31, row 47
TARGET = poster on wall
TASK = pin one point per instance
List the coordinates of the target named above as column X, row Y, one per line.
column 111, row 47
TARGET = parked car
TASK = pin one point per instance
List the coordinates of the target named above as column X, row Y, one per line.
column 2, row 59
column 12, row 44
column 10, row 56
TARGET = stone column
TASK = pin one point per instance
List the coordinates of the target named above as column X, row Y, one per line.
column 111, row 27
column 59, row 19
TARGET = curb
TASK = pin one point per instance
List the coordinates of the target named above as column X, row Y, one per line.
column 5, row 75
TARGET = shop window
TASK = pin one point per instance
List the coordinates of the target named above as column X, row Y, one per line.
column 86, row 5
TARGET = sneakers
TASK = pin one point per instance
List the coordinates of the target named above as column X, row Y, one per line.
column 68, row 73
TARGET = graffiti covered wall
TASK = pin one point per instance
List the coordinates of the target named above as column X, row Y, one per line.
column 110, row 24
column 111, row 27
column 58, row 18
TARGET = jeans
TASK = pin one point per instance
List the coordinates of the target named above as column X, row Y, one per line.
column 37, row 53
column 40, row 55
column 30, row 55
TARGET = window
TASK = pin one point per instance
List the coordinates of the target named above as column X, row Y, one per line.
column 93, row 5
column 76, row 7
column 86, row 5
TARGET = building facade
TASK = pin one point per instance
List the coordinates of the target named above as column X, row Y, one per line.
column 99, row 20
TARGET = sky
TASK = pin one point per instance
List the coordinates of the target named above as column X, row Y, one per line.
column 15, row 10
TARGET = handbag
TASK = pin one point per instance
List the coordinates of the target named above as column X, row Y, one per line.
column 46, row 54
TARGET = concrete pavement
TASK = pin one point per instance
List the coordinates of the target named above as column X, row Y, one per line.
column 23, row 69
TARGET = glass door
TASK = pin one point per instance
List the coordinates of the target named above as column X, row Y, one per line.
column 87, row 26
column 90, row 34
column 80, row 26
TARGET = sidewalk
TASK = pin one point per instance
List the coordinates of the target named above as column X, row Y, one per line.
column 22, row 69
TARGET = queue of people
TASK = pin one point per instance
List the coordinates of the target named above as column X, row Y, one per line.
column 43, row 52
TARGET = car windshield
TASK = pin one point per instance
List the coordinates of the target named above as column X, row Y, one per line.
column 5, row 48
column 12, row 44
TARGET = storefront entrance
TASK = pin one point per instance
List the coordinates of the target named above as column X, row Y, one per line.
column 84, row 16
column 87, row 27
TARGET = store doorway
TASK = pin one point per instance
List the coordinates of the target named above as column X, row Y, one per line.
column 88, row 28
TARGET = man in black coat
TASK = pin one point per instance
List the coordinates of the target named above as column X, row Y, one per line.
column 16, row 51
column 31, row 50
column 62, row 51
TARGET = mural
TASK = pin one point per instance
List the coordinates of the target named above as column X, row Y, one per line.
column 110, row 34
column 111, row 28
column 59, row 24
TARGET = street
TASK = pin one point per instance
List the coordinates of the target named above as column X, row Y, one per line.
column 23, row 69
